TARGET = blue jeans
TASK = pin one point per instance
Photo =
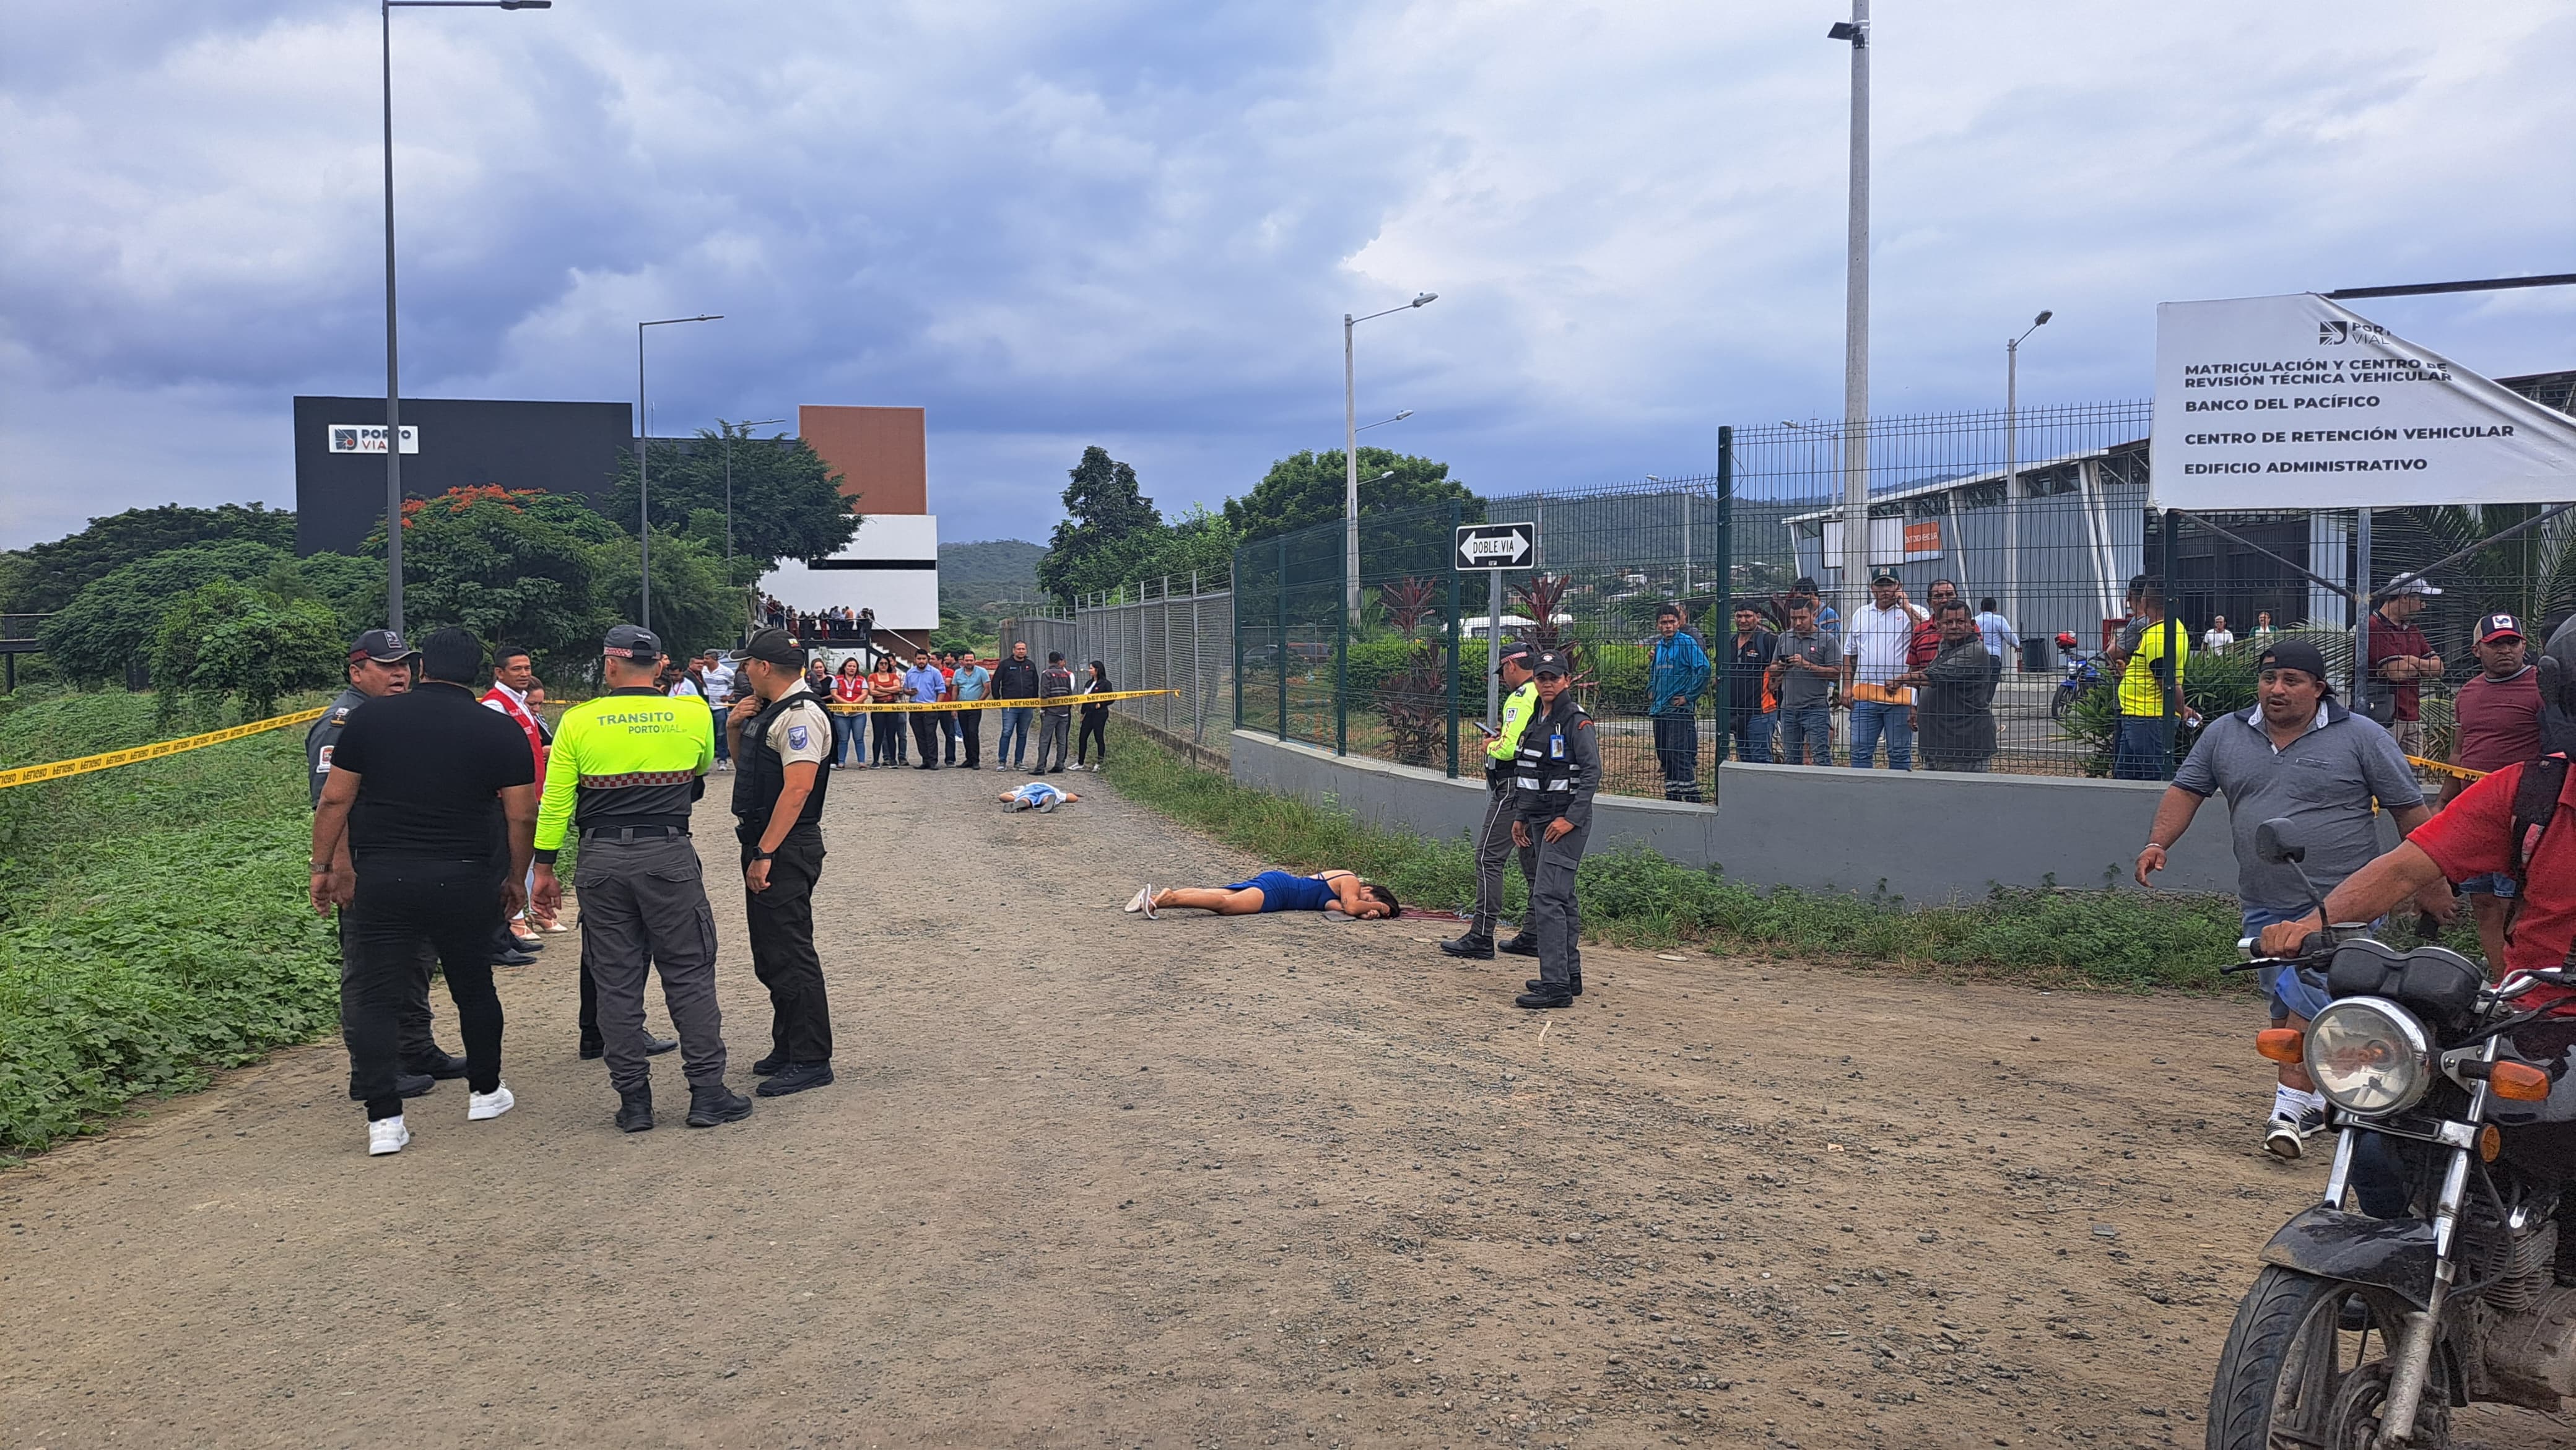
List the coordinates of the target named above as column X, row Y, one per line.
column 1012, row 746
column 1872, row 721
column 1806, row 730
column 1753, row 737
column 723, row 750
column 847, row 740
column 2143, row 751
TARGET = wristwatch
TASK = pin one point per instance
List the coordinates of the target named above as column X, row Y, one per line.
column 764, row 855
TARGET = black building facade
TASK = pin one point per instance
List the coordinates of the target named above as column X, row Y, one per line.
column 456, row 443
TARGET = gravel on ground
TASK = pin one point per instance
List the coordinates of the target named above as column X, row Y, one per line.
column 1087, row 1179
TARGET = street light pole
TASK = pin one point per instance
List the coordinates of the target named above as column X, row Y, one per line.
column 2012, row 470
column 1856, row 324
column 393, row 350
column 1351, row 456
column 644, row 461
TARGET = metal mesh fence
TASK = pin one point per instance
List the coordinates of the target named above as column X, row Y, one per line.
column 2036, row 520
column 1175, row 635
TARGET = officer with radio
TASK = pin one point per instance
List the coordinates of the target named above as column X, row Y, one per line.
column 782, row 741
column 1494, row 838
column 1554, row 774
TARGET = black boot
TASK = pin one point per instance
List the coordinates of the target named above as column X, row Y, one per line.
column 635, row 1110
column 1545, row 996
column 715, row 1103
column 592, row 1049
column 769, row 1066
column 1474, row 945
column 656, row 1046
column 1573, row 985
column 1524, row 944
column 442, row 1065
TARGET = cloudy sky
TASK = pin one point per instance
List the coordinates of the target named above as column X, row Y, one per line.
column 1139, row 223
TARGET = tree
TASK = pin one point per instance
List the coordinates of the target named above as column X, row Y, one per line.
column 787, row 503
column 1108, row 529
column 352, row 588
column 694, row 604
column 229, row 640
column 1307, row 488
column 53, row 573
column 510, row 566
column 106, row 630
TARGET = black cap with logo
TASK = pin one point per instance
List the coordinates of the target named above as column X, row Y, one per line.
column 1549, row 662
column 2296, row 654
column 1513, row 653
column 384, row 646
column 632, row 642
column 772, row 646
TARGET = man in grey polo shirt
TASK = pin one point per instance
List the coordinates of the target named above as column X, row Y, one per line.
column 2297, row 754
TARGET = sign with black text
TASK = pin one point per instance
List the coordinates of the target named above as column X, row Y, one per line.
column 2298, row 403
column 368, row 438
column 1496, row 546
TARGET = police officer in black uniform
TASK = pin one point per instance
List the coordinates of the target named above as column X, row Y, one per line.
column 381, row 663
column 1553, row 778
column 782, row 749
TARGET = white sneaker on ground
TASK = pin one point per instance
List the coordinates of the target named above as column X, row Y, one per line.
column 386, row 1135
column 2287, row 1139
column 483, row 1107
column 1137, row 902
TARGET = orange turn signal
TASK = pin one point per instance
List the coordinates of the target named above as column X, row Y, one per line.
column 2280, row 1044
column 2519, row 1081
column 2490, row 1143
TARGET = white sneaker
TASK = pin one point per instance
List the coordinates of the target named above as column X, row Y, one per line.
column 483, row 1107
column 1149, row 903
column 1137, row 902
column 386, row 1135
column 2288, row 1140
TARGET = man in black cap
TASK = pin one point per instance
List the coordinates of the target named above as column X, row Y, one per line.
column 380, row 664
column 1554, row 774
column 624, row 771
column 437, row 798
column 1494, row 838
column 2299, row 753
column 782, row 746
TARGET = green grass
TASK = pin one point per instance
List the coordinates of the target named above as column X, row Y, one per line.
column 1637, row 898
column 152, row 917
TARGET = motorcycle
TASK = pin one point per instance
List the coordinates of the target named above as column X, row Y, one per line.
column 2082, row 674
column 2455, row 1283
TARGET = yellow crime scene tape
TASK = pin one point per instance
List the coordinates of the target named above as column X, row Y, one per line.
column 1104, row 697
column 28, row 774
column 2446, row 768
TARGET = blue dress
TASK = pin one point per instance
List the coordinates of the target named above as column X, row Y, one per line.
column 1283, row 892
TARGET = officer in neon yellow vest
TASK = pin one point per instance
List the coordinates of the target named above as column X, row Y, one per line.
column 1494, row 837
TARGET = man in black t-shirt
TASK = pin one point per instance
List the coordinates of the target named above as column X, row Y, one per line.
column 438, row 799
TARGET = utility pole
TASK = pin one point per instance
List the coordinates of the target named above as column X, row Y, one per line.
column 1856, row 326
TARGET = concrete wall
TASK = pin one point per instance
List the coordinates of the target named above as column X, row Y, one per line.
column 1927, row 837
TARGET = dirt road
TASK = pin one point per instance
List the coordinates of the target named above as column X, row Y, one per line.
column 1089, row 1180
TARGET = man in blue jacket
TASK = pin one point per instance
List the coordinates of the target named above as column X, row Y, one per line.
column 1676, row 676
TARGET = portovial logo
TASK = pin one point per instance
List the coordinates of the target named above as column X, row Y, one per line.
column 367, row 437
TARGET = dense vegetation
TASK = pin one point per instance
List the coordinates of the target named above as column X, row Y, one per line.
column 152, row 926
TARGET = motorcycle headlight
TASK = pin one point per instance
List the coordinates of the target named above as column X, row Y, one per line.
column 2369, row 1055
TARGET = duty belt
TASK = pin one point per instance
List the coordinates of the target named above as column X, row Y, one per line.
column 631, row 833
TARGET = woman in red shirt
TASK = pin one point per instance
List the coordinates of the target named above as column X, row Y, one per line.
column 849, row 687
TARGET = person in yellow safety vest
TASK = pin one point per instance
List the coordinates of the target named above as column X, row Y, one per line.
column 625, row 771
column 1494, row 837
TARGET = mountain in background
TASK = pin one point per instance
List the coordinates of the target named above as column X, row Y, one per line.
column 974, row 579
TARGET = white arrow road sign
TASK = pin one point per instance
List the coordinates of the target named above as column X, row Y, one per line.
column 1496, row 546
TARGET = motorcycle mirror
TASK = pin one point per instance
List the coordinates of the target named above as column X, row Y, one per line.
column 2276, row 841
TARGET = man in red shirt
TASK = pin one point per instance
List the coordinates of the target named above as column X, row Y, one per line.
column 2400, row 656
column 2473, row 837
column 2498, row 710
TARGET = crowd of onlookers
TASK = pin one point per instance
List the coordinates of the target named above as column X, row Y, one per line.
column 838, row 624
column 1917, row 681
column 927, row 739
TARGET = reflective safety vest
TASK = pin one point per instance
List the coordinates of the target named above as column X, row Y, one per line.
column 1519, row 707
column 1547, row 766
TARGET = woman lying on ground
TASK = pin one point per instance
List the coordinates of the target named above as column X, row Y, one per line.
column 1341, row 891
